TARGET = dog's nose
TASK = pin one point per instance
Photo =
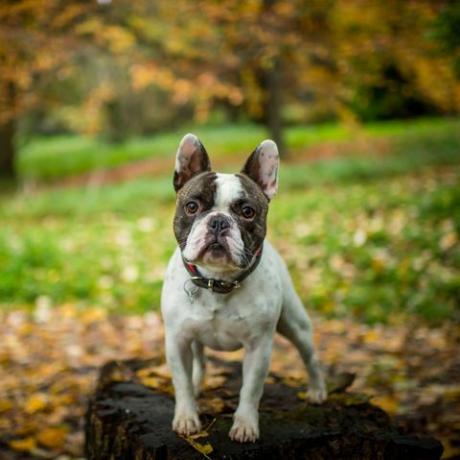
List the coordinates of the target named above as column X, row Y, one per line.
column 218, row 224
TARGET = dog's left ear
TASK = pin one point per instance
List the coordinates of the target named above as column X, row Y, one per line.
column 191, row 159
column 262, row 167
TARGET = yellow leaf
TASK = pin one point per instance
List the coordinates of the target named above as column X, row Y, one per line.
column 35, row 403
column 26, row 444
column 215, row 405
column 302, row 395
column 387, row 403
column 153, row 382
column 371, row 336
column 52, row 438
column 93, row 315
column 203, row 448
column 214, row 381
column 5, row 405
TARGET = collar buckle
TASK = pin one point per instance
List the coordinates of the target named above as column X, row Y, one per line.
column 211, row 284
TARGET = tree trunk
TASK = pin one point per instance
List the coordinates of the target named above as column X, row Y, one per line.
column 126, row 420
column 7, row 135
column 273, row 109
column 273, row 97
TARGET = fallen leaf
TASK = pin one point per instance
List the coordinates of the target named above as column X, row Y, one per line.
column 387, row 403
column 214, row 405
column 5, row 405
column 302, row 395
column 213, row 382
column 35, row 403
column 23, row 445
column 53, row 437
column 203, row 448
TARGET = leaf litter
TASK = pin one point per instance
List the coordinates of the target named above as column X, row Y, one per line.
column 49, row 368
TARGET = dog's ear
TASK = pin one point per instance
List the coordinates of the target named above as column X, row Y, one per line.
column 262, row 167
column 191, row 159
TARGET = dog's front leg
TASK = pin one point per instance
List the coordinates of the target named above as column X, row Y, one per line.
column 179, row 356
column 255, row 368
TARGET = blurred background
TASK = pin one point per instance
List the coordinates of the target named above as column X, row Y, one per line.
column 363, row 99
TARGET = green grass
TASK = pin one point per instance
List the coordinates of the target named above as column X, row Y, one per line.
column 57, row 157
column 373, row 237
column 52, row 158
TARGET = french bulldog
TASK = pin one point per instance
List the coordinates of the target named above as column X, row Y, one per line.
column 226, row 287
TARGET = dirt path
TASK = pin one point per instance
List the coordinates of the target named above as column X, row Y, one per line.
column 154, row 167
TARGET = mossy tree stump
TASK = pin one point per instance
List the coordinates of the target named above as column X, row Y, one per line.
column 127, row 420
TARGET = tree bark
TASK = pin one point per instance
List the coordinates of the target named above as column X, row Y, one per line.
column 273, row 94
column 126, row 420
column 273, row 109
column 7, row 138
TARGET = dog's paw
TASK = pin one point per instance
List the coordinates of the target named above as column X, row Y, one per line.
column 186, row 423
column 244, row 429
column 317, row 394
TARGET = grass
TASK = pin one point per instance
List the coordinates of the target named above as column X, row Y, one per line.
column 375, row 237
column 56, row 157
column 47, row 159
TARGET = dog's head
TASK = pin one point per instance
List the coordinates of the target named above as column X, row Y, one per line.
column 220, row 220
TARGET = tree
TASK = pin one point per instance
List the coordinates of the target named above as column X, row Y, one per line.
column 240, row 53
column 347, row 59
column 40, row 42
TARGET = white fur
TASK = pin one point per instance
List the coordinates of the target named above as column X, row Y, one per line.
column 248, row 318
column 228, row 190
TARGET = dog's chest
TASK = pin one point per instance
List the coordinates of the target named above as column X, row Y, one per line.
column 231, row 325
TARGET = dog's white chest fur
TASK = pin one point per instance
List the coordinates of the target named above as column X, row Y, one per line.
column 229, row 321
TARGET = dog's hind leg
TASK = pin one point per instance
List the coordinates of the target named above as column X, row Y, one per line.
column 295, row 325
column 198, row 366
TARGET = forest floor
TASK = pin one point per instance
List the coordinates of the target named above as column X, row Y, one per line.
column 51, row 357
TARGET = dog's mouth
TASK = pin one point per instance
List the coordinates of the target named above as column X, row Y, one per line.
column 216, row 248
column 215, row 252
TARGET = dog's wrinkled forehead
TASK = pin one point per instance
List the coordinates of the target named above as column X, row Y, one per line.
column 219, row 191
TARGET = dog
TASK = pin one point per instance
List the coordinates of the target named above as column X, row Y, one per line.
column 226, row 287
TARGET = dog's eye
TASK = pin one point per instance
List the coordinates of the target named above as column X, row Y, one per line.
column 247, row 212
column 191, row 207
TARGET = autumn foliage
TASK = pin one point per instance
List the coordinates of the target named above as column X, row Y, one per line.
column 121, row 68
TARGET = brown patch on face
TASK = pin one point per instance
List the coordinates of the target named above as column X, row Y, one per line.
column 252, row 231
column 201, row 188
column 252, row 166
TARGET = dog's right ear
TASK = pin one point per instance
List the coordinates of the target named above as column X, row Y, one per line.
column 191, row 159
column 262, row 167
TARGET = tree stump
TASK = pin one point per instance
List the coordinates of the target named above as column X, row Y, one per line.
column 127, row 420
